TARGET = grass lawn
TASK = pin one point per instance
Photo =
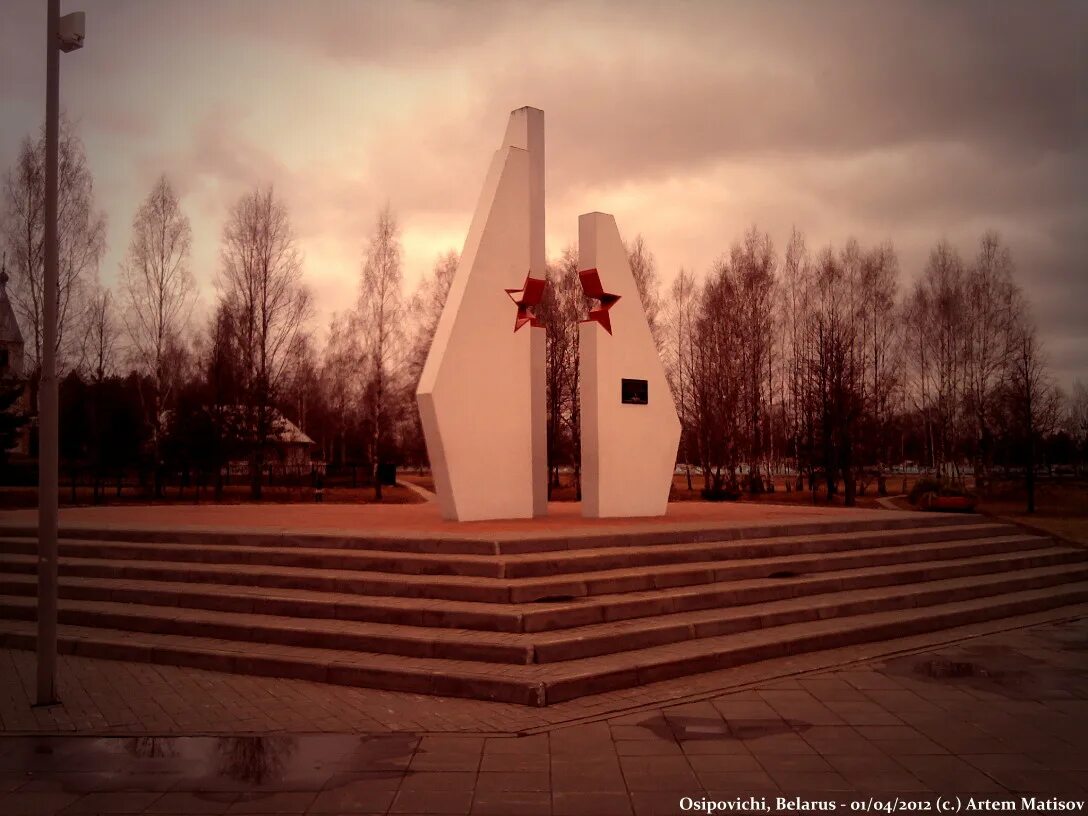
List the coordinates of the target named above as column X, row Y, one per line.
column 783, row 493
column 1061, row 507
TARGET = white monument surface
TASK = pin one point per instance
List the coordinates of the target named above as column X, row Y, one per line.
column 482, row 391
column 630, row 430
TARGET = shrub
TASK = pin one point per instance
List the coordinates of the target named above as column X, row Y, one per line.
column 727, row 493
column 928, row 484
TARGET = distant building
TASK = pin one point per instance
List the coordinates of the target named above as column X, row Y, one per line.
column 291, row 445
column 288, row 448
column 11, row 361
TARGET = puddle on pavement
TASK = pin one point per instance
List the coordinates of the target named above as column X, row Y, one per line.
column 990, row 669
column 1044, row 663
column 755, row 728
column 939, row 669
column 1072, row 636
column 713, row 728
column 235, row 763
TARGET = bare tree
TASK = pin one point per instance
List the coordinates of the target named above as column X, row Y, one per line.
column 301, row 381
column 752, row 265
column 878, row 335
column 1033, row 403
column 562, row 307
column 679, row 320
column 835, row 365
column 340, row 383
column 716, row 384
column 425, row 308
column 81, row 238
column 156, row 281
column 1076, row 422
column 795, row 308
column 936, row 318
column 379, row 314
column 221, row 361
column 644, row 269
column 260, row 282
column 159, row 292
column 97, row 363
column 990, row 302
column 101, row 336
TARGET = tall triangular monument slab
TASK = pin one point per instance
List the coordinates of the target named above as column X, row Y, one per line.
column 481, row 395
column 630, row 430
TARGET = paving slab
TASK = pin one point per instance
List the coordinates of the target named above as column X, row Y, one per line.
column 1016, row 722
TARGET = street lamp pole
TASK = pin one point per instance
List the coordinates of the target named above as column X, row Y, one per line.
column 48, row 420
column 62, row 34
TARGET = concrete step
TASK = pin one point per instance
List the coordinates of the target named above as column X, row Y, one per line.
column 696, row 532
column 496, row 617
column 521, row 590
column 450, row 678
column 467, row 544
column 539, row 565
column 607, row 638
column 539, row 684
column 639, row 579
column 591, row 675
column 241, row 537
column 348, row 636
column 312, row 557
column 508, row 566
column 407, row 611
column 550, row 647
column 630, row 605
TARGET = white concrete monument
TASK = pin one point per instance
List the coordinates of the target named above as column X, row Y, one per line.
column 630, row 430
column 481, row 394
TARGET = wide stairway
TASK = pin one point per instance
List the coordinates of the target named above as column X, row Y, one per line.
column 531, row 621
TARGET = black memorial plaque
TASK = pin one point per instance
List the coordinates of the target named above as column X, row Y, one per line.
column 634, row 392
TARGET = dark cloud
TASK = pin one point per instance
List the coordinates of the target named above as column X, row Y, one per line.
column 692, row 120
column 406, row 33
column 829, row 79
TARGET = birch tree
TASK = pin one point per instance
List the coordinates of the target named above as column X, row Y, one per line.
column 564, row 304
column 680, row 314
column 260, row 282
column 990, row 300
column 101, row 337
column 81, row 240
column 158, row 290
column 1076, row 422
column 1033, row 404
column 752, row 265
column 340, row 383
column 379, row 314
column 425, row 308
column 878, row 335
column 794, row 305
column 644, row 269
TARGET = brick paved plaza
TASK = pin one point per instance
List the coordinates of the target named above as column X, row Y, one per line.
column 995, row 710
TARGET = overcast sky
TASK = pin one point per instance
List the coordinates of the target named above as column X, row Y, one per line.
column 688, row 121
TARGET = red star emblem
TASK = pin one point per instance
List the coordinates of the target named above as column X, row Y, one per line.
column 591, row 285
column 526, row 297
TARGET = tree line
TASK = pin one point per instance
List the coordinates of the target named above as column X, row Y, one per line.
column 824, row 368
column 806, row 368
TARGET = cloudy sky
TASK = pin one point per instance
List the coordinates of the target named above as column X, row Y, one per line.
column 688, row 121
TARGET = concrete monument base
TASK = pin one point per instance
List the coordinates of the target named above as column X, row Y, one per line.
column 536, row 611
